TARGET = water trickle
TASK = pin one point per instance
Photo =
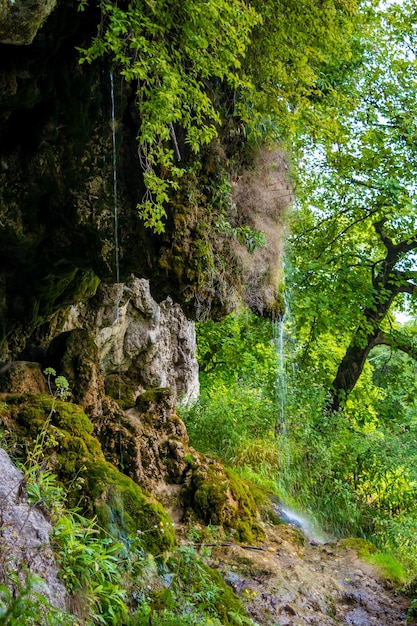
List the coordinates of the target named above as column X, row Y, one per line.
column 116, row 242
column 116, row 216
column 305, row 524
column 281, row 382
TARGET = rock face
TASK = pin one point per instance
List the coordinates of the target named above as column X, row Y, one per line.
column 22, row 377
column 132, row 342
column 20, row 20
column 262, row 195
column 24, row 535
column 58, row 234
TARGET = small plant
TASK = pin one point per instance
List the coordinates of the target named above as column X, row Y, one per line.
column 23, row 602
column 252, row 239
column 59, row 387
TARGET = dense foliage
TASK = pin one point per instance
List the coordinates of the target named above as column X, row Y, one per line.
column 321, row 409
column 354, row 229
column 353, row 470
column 110, row 575
column 250, row 66
column 344, row 414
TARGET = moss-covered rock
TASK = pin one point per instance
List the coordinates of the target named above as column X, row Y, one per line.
column 218, row 496
column 65, row 432
column 121, row 389
column 123, row 508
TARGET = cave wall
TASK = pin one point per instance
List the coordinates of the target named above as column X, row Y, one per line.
column 58, row 236
column 56, row 179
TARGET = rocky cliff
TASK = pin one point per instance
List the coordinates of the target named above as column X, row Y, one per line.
column 87, row 290
column 65, row 227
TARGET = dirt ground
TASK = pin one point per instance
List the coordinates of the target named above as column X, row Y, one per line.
column 291, row 581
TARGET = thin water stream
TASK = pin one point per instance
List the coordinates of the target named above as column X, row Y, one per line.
column 116, row 215
column 281, row 383
column 116, row 242
column 282, row 432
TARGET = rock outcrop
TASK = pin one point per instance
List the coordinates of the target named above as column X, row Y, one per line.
column 24, row 536
column 60, row 235
column 20, row 20
column 148, row 344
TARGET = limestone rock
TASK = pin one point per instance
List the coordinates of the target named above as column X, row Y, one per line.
column 20, row 20
column 148, row 344
column 22, row 377
column 24, row 535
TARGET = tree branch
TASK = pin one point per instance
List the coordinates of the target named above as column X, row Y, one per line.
column 397, row 341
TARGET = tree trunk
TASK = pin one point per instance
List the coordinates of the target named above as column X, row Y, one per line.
column 350, row 369
column 388, row 283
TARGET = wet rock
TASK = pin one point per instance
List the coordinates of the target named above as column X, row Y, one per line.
column 308, row 585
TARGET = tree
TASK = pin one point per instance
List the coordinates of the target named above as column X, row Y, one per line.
column 355, row 230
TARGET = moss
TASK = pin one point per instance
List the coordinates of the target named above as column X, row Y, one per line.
column 116, row 496
column 122, row 391
column 389, row 567
column 122, row 507
column 226, row 601
column 210, row 496
column 221, row 497
column 247, row 526
column 361, row 546
column 155, row 397
column 200, row 580
column 156, row 406
column 35, row 411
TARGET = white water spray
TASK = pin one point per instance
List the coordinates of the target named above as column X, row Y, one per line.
column 305, row 524
column 286, row 513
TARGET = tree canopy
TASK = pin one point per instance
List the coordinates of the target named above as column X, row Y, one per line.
column 355, row 227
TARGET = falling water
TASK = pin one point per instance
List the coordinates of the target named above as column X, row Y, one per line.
column 281, row 382
column 116, row 216
column 282, row 432
column 116, row 241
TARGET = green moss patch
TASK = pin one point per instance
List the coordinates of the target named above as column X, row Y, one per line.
column 362, row 547
column 220, row 497
column 122, row 507
column 389, row 567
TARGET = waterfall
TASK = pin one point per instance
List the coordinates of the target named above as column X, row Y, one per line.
column 281, row 425
column 116, row 216
column 116, row 243
column 281, row 382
